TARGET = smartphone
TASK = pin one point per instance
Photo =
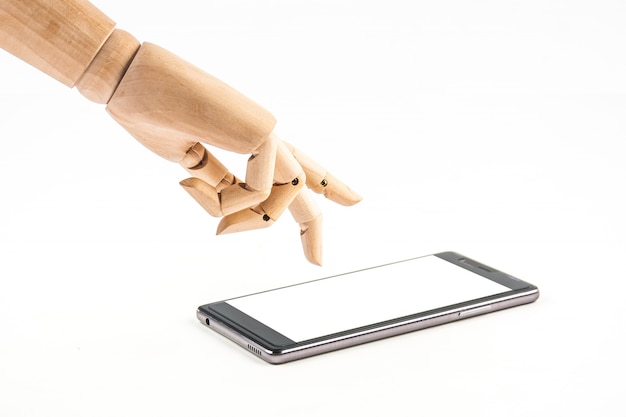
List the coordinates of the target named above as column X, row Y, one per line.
column 320, row 316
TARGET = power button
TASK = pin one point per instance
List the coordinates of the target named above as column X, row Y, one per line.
column 474, row 311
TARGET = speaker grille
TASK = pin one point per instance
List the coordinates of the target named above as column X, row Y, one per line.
column 255, row 350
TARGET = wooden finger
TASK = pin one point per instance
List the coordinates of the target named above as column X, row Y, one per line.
column 321, row 181
column 200, row 163
column 243, row 221
column 206, row 195
column 309, row 217
column 289, row 179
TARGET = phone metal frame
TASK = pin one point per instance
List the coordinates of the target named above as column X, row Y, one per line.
column 276, row 349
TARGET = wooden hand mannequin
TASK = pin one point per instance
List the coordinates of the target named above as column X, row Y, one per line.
column 172, row 108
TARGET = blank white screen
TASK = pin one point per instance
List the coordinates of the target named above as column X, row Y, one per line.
column 327, row 306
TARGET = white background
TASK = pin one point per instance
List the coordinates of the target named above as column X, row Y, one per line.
column 493, row 128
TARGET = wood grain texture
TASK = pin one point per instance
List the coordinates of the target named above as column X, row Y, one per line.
column 309, row 217
column 105, row 72
column 169, row 105
column 320, row 181
column 58, row 37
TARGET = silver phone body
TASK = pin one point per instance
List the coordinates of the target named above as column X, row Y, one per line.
column 306, row 319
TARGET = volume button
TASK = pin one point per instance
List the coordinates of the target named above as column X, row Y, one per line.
column 474, row 311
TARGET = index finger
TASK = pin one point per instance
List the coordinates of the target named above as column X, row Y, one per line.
column 319, row 180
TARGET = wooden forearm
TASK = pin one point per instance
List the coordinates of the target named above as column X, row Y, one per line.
column 72, row 41
column 61, row 38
